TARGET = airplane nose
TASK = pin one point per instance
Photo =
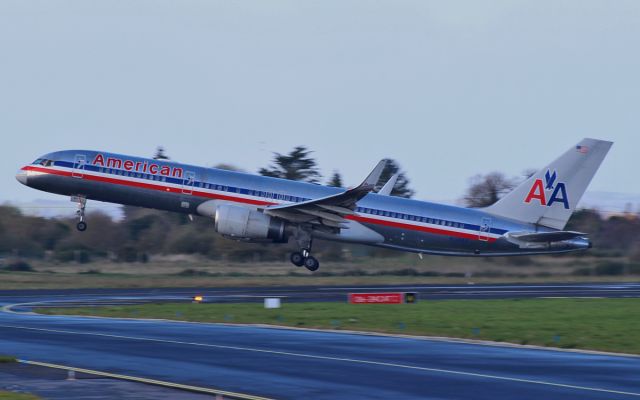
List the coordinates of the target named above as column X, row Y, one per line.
column 21, row 176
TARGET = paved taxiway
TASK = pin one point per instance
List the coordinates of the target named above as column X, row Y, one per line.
column 328, row 293
column 291, row 364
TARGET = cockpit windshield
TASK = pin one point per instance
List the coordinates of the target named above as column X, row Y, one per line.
column 43, row 161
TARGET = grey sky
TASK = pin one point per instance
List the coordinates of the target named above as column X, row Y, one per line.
column 449, row 88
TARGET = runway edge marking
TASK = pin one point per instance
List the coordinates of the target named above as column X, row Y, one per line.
column 343, row 359
column 234, row 395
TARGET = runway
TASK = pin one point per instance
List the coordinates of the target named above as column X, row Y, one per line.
column 292, row 364
column 328, row 293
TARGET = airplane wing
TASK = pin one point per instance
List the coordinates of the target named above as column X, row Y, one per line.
column 330, row 210
column 543, row 237
column 388, row 187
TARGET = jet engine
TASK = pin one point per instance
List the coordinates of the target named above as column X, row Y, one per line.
column 242, row 223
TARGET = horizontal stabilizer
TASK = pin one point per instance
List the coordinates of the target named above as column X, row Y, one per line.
column 543, row 237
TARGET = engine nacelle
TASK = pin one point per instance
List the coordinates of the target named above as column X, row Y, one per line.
column 241, row 223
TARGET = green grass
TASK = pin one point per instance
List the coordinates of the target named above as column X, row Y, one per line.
column 7, row 359
column 17, row 396
column 597, row 324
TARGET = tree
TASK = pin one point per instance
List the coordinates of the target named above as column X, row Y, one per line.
column 296, row 166
column 228, row 167
column 401, row 188
column 487, row 189
column 160, row 154
column 336, row 180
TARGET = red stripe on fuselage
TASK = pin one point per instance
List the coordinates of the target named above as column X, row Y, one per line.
column 150, row 186
column 167, row 189
column 420, row 228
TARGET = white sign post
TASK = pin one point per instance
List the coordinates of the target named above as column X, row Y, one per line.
column 272, row 302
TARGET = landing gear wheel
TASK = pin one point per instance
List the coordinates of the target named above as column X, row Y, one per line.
column 311, row 264
column 297, row 259
column 82, row 203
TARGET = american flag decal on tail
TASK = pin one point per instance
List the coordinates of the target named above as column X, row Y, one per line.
column 582, row 149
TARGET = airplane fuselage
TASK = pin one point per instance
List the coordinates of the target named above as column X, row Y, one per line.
column 385, row 221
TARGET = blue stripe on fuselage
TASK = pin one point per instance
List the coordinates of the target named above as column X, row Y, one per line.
column 199, row 184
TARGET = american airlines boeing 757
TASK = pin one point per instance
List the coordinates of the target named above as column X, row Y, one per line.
column 528, row 220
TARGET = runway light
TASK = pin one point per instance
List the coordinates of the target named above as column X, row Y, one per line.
column 410, row 298
column 198, row 298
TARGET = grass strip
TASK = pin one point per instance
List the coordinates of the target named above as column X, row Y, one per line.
column 596, row 324
column 17, row 396
column 7, row 359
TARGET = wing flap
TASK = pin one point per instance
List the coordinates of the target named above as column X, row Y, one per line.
column 323, row 214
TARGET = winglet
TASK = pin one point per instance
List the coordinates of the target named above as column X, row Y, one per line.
column 388, row 187
column 373, row 178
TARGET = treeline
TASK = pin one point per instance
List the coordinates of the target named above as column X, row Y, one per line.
column 141, row 234
column 144, row 233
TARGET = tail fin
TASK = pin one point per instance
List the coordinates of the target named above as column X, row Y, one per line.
column 549, row 196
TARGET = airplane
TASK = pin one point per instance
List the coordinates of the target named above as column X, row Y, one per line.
column 246, row 207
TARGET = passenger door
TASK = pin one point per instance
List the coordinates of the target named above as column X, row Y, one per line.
column 485, row 229
column 188, row 182
column 78, row 165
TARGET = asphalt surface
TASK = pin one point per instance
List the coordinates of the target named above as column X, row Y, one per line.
column 324, row 293
column 291, row 364
column 53, row 384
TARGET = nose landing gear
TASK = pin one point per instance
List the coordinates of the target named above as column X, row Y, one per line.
column 82, row 203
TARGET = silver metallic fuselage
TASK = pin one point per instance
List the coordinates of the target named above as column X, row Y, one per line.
column 384, row 221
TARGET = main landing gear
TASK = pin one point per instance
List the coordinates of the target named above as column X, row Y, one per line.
column 82, row 203
column 304, row 257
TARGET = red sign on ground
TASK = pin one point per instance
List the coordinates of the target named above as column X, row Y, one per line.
column 376, row 298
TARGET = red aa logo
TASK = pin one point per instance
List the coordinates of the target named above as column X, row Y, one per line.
column 539, row 192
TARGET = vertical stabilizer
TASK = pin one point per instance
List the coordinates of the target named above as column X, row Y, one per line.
column 549, row 197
